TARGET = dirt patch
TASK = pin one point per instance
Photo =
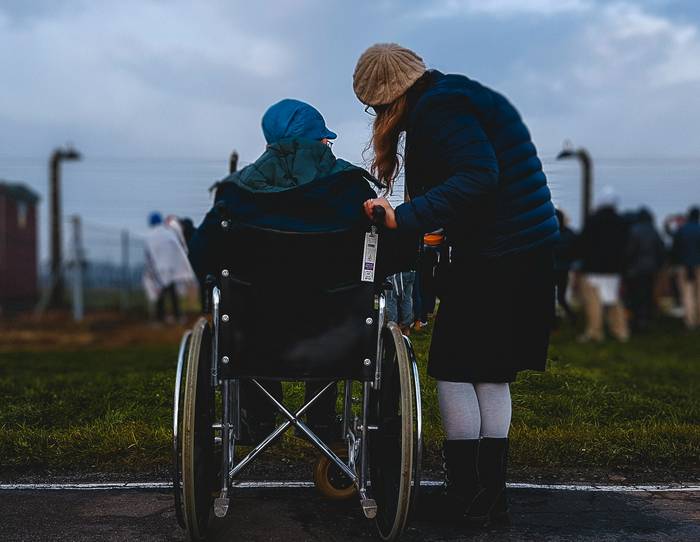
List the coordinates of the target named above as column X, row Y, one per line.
column 57, row 331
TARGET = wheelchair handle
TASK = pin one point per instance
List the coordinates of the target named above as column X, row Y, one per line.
column 378, row 215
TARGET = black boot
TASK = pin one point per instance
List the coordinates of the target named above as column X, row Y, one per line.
column 490, row 505
column 461, row 476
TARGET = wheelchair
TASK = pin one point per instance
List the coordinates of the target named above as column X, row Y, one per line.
column 298, row 307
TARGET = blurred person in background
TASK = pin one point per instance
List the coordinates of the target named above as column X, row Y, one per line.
column 174, row 223
column 686, row 255
column 601, row 249
column 186, row 226
column 671, row 225
column 189, row 289
column 166, row 266
column 188, row 230
column 472, row 169
column 417, row 300
column 564, row 255
column 646, row 254
column 399, row 301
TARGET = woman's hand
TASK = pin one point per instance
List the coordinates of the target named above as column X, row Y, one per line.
column 390, row 220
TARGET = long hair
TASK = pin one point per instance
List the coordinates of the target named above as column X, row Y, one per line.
column 387, row 131
column 386, row 135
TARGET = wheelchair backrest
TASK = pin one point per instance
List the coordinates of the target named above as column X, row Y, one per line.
column 295, row 307
column 309, row 260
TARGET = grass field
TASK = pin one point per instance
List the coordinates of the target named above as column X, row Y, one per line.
column 611, row 407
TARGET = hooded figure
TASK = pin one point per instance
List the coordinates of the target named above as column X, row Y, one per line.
column 294, row 119
column 297, row 184
column 166, row 265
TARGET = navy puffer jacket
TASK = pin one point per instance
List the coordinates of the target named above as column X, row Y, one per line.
column 686, row 244
column 471, row 167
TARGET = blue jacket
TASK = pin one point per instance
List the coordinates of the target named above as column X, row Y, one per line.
column 472, row 168
column 646, row 251
column 686, row 245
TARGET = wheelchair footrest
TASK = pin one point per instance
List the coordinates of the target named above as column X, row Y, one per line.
column 369, row 508
column 220, row 506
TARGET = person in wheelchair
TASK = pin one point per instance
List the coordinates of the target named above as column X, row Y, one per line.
column 294, row 279
column 297, row 185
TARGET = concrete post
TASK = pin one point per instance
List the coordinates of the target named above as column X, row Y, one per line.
column 55, row 298
column 77, row 270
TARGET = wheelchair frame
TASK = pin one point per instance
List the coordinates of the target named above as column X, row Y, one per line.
column 395, row 387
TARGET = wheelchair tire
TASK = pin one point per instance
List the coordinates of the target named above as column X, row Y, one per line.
column 392, row 446
column 198, row 456
column 330, row 481
column 418, row 426
column 179, row 392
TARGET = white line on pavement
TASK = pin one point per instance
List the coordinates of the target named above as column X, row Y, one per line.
column 92, row 486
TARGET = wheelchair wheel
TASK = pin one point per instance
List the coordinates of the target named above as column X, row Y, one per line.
column 330, row 481
column 198, row 456
column 393, row 448
column 177, row 428
column 417, row 425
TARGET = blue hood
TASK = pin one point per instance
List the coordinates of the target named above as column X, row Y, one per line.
column 294, row 119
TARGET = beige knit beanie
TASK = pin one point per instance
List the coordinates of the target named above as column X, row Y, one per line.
column 384, row 72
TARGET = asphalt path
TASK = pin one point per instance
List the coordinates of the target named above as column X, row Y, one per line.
column 302, row 515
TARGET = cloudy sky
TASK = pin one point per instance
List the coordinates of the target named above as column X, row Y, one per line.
column 138, row 78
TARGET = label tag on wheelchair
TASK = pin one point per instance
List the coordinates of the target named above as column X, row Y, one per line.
column 369, row 257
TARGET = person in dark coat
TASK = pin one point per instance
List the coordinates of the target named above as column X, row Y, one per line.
column 646, row 254
column 563, row 259
column 472, row 169
column 686, row 255
column 602, row 250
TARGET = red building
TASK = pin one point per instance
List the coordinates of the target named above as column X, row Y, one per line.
column 18, row 246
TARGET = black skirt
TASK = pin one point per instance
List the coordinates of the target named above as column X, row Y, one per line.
column 494, row 318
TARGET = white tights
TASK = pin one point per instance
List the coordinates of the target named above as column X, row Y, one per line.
column 470, row 411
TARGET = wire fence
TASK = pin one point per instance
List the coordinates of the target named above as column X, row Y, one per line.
column 111, row 263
